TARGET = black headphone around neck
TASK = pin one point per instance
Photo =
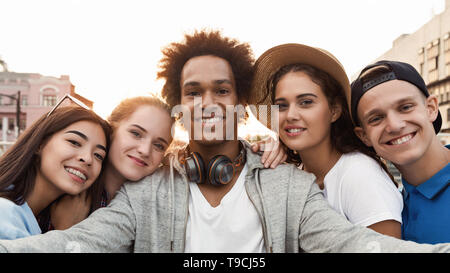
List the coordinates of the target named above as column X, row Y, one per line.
column 220, row 170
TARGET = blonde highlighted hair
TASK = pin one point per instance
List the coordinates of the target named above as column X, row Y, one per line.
column 127, row 107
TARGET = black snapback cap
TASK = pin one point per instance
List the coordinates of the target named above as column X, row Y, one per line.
column 399, row 71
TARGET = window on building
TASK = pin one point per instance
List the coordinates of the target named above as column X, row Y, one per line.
column 8, row 101
column 23, row 124
column 448, row 114
column 49, row 100
column 433, row 49
column 432, row 75
column 24, row 99
column 48, row 96
column 421, row 60
column 447, row 54
column 11, row 124
column 433, row 60
column 432, row 64
column 447, row 90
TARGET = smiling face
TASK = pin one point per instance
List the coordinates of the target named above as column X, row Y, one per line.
column 140, row 141
column 399, row 125
column 207, row 87
column 71, row 160
column 305, row 116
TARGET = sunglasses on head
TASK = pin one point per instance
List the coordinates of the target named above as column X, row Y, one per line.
column 72, row 99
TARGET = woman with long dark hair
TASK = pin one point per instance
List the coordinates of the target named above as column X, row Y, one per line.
column 307, row 84
column 61, row 153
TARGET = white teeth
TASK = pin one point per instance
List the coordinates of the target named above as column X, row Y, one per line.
column 401, row 140
column 296, row 130
column 77, row 173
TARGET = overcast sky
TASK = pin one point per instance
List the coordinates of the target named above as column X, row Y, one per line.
column 110, row 48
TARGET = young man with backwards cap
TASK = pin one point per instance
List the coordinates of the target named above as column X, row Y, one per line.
column 259, row 210
column 394, row 113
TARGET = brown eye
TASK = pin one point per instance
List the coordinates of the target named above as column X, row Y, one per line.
column 74, row 142
column 305, row 102
column 99, row 156
column 374, row 120
column 223, row 91
column 192, row 93
column 282, row 106
column 159, row 146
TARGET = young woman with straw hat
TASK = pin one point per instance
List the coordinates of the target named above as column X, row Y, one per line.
column 307, row 84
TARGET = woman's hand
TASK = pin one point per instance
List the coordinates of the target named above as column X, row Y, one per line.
column 274, row 152
column 69, row 210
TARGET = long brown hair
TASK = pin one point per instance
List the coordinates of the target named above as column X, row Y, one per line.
column 19, row 165
column 342, row 135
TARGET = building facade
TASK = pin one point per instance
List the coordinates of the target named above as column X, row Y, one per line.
column 36, row 95
column 428, row 50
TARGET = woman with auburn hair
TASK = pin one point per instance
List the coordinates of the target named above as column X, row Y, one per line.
column 307, row 84
column 61, row 153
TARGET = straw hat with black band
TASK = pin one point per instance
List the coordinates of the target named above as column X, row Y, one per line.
column 279, row 56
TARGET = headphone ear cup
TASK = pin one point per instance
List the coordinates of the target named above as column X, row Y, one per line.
column 195, row 168
column 220, row 170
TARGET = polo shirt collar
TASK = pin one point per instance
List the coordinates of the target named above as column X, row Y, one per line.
column 432, row 186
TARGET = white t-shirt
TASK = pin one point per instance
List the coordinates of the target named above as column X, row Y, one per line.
column 232, row 226
column 358, row 188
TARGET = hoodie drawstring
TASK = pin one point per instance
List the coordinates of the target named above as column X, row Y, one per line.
column 266, row 216
column 171, row 204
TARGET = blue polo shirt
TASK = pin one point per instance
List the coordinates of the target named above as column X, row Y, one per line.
column 426, row 211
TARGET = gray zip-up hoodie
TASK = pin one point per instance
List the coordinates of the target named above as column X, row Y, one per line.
column 151, row 216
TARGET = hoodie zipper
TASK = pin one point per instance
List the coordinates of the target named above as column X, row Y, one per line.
column 260, row 219
column 187, row 209
column 187, row 215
